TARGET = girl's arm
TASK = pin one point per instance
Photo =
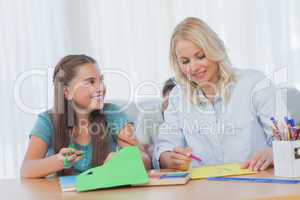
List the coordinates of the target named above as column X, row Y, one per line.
column 127, row 138
column 35, row 165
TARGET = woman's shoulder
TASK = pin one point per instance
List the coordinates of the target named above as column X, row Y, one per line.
column 249, row 74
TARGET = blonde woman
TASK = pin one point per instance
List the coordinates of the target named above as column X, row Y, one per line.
column 216, row 112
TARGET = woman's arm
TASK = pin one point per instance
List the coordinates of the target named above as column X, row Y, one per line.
column 178, row 159
column 267, row 104
column 35, row 165
column 127, row 138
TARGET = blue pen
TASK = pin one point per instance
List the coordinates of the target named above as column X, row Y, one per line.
column 274, row 122
column 287, row 121
column 292, row 122
column 256, row 180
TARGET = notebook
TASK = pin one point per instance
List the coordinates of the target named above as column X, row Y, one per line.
column 126, row 168
column 219, row 171
column 67, row 183
column 168, row 178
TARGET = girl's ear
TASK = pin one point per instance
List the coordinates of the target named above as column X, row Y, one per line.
column 67, row 93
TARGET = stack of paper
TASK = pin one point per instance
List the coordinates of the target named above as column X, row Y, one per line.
column 219, row 171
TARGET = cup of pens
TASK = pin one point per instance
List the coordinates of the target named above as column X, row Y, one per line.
column 286, row 148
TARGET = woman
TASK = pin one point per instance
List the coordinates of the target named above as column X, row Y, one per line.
column 216, row 112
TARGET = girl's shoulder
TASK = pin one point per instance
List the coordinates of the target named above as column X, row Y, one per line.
column 113, row 112
column 115, row 117
column 46, row 115
column 110, row 108
column 45, row 118
column 43, row 127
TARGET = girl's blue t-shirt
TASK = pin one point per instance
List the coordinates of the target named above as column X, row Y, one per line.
column 115, row 120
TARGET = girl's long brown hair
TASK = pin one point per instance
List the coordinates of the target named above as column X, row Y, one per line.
column 62, row 112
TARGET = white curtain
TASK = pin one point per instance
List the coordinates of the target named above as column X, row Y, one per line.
column 130, row 40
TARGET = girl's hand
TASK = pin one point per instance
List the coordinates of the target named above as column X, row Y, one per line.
column 127, row 137
column 109, row 156
column 178, row 159
column 69, row 155
column 260, row 161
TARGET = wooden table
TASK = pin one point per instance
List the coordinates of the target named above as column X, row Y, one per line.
column 48, row 189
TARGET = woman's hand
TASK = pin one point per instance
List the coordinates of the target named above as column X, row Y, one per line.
column 260, row 161
column 178, row 159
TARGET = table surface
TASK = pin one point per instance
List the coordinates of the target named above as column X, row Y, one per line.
column 44, row 189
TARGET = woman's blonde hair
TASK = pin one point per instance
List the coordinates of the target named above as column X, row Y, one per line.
column 197, row 31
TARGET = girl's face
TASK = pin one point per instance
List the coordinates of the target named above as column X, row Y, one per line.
column 194, row 64
column 87, row 89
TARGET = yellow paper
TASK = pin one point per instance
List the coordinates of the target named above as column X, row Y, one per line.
column 219, row 171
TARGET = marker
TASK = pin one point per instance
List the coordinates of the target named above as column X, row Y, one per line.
column 192, row 156
column 292, row 122
column 73, row 150
column 195, row 158
column 275, row 123
column 293, row 132
column 287, row 121
column 277, row 132
column 296, row 133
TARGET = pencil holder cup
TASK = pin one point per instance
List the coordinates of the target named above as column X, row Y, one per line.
column 286, row 156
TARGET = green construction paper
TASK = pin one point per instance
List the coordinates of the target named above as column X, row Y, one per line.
column 125, row 168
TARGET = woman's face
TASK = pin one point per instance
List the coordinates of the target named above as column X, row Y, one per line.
column 87, row 88
column 195, row 65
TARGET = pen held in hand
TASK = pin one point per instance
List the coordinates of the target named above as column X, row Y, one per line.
column 195, row 158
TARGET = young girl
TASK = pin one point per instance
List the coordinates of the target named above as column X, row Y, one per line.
column 216, row 112
column 81, row 130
